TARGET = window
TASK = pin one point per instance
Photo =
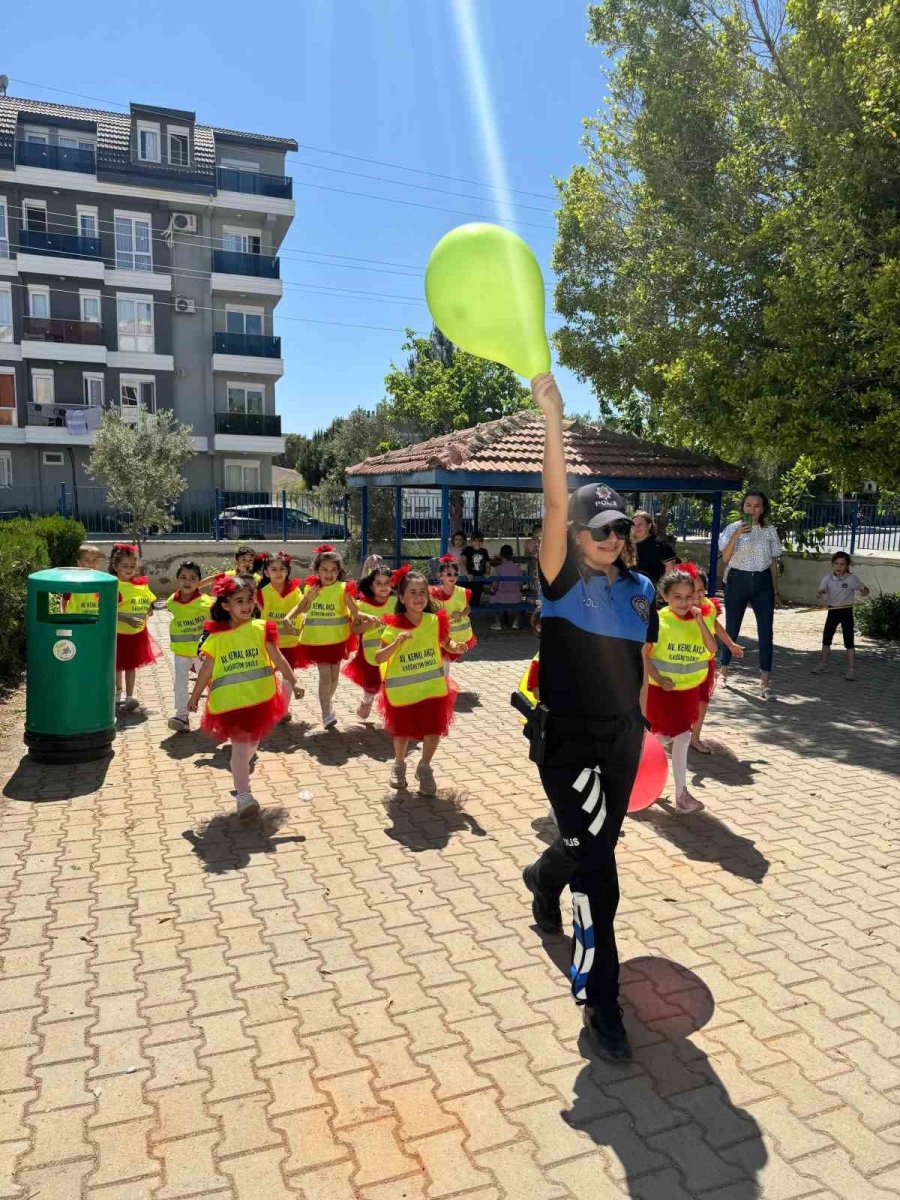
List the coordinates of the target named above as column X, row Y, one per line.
column 8, row 398
column 4, row 230
column 148, row 141
column 39, row 302
column 135, row 321
column 133, row 242
column 90, row 306
column 136, row 392
column 42, row 390
column 75, row 143
column 238, row 164
column 244, row 320
column 53, row 458
column 93, row 390
column 5, row 469
column 39, row 137
column 241, row 476
column 244, row 398
column 34, row 213
column 6, row 320
column 87, row 221
column 242, row 241
column 179, row 146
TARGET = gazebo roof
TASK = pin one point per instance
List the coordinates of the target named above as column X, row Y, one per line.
column 507, row 454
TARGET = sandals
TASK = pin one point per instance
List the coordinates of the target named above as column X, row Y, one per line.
column 701, row 747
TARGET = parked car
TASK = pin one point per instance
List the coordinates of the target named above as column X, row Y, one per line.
column 244, row 522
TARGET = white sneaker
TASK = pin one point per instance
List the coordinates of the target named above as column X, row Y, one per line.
column 330, row 721
column 497, row 626
column 179, row 725
column 686, row 803
column 398, row 776
column 820, row 668
column 246, row 806
column 364, row 709
column 851, row 674
column 131, row 703
column 427, row 783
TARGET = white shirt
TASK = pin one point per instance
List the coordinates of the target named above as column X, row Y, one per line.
column 755, row 551
column 840, row 590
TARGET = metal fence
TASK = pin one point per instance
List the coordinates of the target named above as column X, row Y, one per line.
column 850, row 525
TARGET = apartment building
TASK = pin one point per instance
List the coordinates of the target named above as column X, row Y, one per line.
column 138, row 270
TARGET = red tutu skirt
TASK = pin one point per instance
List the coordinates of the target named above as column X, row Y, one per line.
column 293, row 655
column 134, row 650
column 420, row 720
column 470, row 644
column 334, row 652
column 671, row 713
column 704, row 691
column 246, row 724
column 363, row 674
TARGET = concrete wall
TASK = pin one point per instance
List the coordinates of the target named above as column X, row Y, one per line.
column 161, row 558
column 801, row 576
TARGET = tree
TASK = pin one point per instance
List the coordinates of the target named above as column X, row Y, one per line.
column 729, row 256
column 141, row 465
column 442, row 388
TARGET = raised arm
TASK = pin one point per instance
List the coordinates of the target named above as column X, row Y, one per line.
column 552, row 553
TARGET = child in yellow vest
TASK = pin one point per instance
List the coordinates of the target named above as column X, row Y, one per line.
column 240, row 658
column 417, row 698
column 375, row 601
column 277, row 596
column 457, row 601
column 190, row 610
column 326, row 636
column 675, row 667
column 88, row 558
column 244, row 559
column 135, row 648
column 701, row 582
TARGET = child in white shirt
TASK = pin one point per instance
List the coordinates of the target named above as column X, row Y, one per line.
column 839, row 591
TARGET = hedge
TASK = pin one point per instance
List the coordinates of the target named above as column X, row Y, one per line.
column 28, row 545
column 880, row 616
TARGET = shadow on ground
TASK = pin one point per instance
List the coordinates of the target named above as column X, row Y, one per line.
column 225, row 843
column 702, row 837
column 427, row 823
column 676, row 1106
column 42, row 784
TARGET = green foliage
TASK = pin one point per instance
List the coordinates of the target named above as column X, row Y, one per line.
column 879, row 617
column 22, row 551
column 141, row 465
column 442, row 388
column 355, row 437
column 63, row 536
column 729, row 256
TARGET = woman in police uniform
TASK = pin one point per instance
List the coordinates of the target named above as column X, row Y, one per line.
column 596, row 616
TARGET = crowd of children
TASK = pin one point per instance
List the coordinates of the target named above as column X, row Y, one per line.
column 394, row 637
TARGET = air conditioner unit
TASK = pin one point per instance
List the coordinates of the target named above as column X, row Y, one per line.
column 184, row 304
column 184, row 222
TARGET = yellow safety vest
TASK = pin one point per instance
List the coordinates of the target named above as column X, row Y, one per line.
column 416, row 671
column 371, row 639
column 460, row 627
column 82, row 604
column 254, row 575
column 680, row 653
column 187, row 624
column 134, row 601
column 242, row 673
column 276, row 608
column 327, row 620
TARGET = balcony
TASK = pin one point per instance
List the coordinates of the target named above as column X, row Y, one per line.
column 83, row 254
column 56, row 158
column 52, row 329
column 234, row 262
column 254, row 183
column 249, row 424
column 257, row 344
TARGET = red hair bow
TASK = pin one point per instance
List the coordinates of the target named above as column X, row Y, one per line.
column 125, row 546
column 689, row 569
column 224, row 585
column 447, row 558
column 399, row 574
column 324, row 549
column 283, row 555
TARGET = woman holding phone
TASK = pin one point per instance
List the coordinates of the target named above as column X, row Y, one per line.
column 750, row 549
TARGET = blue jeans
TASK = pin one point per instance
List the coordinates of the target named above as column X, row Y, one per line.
column 753, row 588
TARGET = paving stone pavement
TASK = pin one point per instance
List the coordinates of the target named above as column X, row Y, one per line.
column 348, row 999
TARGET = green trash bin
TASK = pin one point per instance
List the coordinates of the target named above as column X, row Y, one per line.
column 70, row 696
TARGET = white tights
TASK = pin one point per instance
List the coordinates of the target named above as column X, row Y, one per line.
column 329, row 677
column 241, row 754
column 679, row 744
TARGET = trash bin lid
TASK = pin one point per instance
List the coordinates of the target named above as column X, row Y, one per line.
column 71, row 575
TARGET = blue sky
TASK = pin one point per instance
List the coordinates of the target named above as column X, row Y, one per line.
column 378, row 79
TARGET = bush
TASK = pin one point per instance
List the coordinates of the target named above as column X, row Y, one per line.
column 22, row 550
column 880, row 616
column 62, row 536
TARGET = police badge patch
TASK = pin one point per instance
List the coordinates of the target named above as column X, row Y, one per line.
column 641, row 606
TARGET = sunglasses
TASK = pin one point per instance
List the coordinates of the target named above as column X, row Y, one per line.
column 600, row 533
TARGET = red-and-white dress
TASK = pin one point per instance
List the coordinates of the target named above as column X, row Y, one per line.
column 135, row 649
column 426, row 717
column 252, row 722
column 274, row 606
column 329, row 604
column 460, row 627
column 677, row 711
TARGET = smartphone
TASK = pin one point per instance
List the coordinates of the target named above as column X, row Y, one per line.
column 746, row 520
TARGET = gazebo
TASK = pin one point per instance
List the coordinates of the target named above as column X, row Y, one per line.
column 506, row 456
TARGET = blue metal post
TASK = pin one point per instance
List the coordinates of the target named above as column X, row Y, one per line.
column 217, row 524
column 346, row 517
column 445, row 520
column 475, row 505
column 364, row 523
column 854, row 526
column 398, row 525
column 714, row 543
column 63, row 506
column 284, row 516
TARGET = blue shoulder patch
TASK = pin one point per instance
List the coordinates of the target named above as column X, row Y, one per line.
column 619, row 611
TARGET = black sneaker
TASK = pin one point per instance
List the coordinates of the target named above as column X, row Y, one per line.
column 544, row 907
column 606, row 1032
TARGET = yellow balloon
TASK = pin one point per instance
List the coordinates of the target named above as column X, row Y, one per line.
column 486, row 293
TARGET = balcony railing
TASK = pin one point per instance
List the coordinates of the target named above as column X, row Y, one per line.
column 56, row 158
column 258, row 344
column 249, row 424
column 254, row 183
column 234, row 262
column 67, row 245
column 52, row 329
column 55, row 414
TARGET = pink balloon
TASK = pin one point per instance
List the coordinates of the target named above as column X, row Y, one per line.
column 653, row 771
